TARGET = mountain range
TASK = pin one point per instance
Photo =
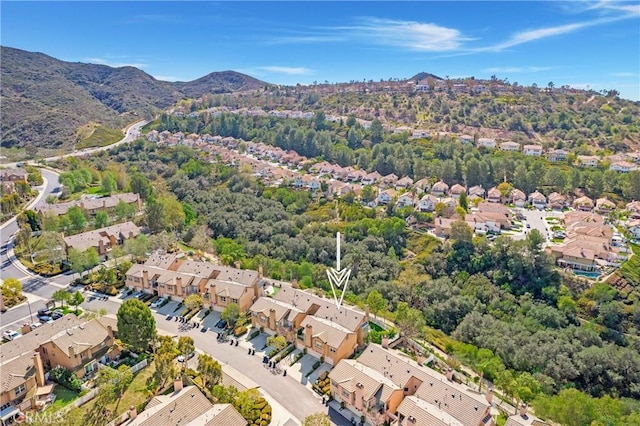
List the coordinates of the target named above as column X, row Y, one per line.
column 45, row 101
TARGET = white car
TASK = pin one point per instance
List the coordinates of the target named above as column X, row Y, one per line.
column 35, row 325
column 180, row 358
column 158, row 302
column 11, row 335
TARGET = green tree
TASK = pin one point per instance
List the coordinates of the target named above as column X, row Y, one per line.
column 463, row 201
column 114, row 383
column 138, row 246
column 108, row 183
column 166, row 352
column 231, row 313
column 77, row 218
column 50, row 222
column 124, row 210
column 185, row 347
column 102, row 219
column 376, row 302
column 246, row 402
column 76, row 299
column 526, row 387
column 92, row 258
column 193, row 301
column 77, row 261
column 409, row 320
column 369, row 193
column 136, row 325
column 277, row 343
column 61, row 296
column 377, row 131
column 12, row 292
column 318, row 419
column 210, row 370
column 140, row 185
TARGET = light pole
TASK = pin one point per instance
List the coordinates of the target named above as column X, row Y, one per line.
column 14, row 291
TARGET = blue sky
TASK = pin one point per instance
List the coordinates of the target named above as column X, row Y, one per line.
column 584, row 44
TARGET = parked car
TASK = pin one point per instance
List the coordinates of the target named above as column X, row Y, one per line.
column 45, row 319
column 10, row 335
column 158, row 302
column 221, row 324
column 57, row 314
column 204, row 329
column 35, row 325
column 181, row 357
column 44, row 312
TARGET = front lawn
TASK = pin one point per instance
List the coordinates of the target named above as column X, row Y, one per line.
column 64, row 397
column 630, row 269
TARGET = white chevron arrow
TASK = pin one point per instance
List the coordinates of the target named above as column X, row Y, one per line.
column 338, row 278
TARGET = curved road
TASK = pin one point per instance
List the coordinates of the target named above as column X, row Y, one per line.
column 39, row 289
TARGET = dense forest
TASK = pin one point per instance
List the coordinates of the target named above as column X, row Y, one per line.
column 509, row 313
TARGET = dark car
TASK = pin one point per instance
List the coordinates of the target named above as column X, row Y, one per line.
column 221, row 324
column 45, row 318
column 44, row 312
column 204, row 329
column 57, row 314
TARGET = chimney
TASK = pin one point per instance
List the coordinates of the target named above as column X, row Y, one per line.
column 523, row 410
column 412, row 420
column 101, row 249
column 37, row 363
column 385, row 342
column 145, row 278
column 237, row 264
column 359, row 396
column 110, row 331
column 179, row 283
column 260, row 271
column 72, row 352
column 133, row 412
column 272, row 319
column 489, row 395
column 308, row 334
column 177, row 384
column 450, row 374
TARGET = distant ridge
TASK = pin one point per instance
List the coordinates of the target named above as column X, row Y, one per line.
column 45, row 100
column 423, row 75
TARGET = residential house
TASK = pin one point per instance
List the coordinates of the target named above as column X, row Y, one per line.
column 487, row 222
column 494, row 195
column 532, row 150
column 457, row 190
column 428, row 203
column 13, row 175
column 488, row 207
column 278, row 317
column 523, row 418
column 510, row 146
column 386, row 196
column 557, row 155
column 420, row 134
column 517, row 197
column 422, row 185
column 583, row 255
column 371, row 178
column 102, row 239
column 557, row 201
column 476, row 191
column 92, row 205
column 356, row 176
column 326, row 339
column 623, row 167
column 404, row 183
column 388, row 180
column 81, row 348
column 350, row 318
column 486, row 143
column 22, row 373
column 376, row 385
column 582, row 216
column 440, row 189
column 168, row 275
column 633, row 226
column 406, row 200
column 442, row 226
column 634, row 209
column 588, row 161
column 604, row 205
column 186, row 405
column 537, row 200
column 583, row 203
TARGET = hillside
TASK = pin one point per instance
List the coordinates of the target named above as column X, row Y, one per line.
column 45, row 100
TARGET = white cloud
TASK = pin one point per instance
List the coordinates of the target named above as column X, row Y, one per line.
column 408, row 34
column 117, row 64
column 275, row 69
column 515, row 69
column 623, row 74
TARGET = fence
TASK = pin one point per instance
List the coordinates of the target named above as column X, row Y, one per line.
column 139, row 366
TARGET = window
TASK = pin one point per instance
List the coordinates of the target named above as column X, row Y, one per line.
column 223, row 299
column 19, row 390
column 234, row 300
column 169, row 288
column 346, row 393
column 332, row 349
column 136, row 279
column 319, row 344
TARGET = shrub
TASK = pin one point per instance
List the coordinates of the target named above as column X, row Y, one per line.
column 254, row 334
column 65, row 378
column 239, row 331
